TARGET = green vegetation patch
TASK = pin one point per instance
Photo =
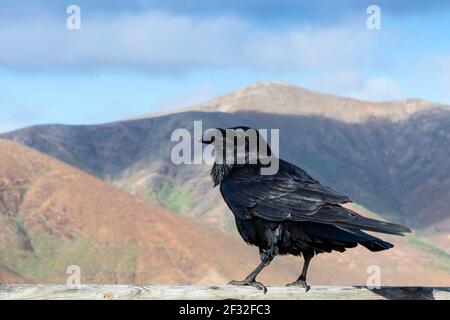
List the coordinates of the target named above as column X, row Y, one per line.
column 442, row 258
column 50, row 256
column 172, row 197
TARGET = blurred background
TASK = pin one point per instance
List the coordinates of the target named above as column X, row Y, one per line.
column 90, row 92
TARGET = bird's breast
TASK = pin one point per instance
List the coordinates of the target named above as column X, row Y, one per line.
column 247, row 230
column 260, row 232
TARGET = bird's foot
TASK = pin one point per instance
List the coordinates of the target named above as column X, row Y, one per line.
column 299, row 283
column 255, row 284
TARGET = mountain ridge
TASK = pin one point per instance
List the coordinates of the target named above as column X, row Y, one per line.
column 266, row 96
column 396, row 168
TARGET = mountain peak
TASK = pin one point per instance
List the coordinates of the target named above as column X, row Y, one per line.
column 283, row 98
column 273, row 87
column 270, row 84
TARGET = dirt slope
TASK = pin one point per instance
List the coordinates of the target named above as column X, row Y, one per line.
column 53, row 216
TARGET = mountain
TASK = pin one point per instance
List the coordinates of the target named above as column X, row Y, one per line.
column 389, row 157
column 53, row 215
column 282, row 98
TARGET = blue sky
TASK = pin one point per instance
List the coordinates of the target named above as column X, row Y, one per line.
column 136, row 57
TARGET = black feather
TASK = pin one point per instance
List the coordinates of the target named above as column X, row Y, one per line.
column 292, row 213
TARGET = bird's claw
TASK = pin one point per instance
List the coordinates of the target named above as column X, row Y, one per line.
column 299, row 283
column 255, row 284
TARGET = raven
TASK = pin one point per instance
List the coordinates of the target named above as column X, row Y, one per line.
column 287, row 212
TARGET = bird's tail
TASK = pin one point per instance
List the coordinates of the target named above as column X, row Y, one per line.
column 370, row 242
column 377, row 245
column 331, row 237
column 347, row 218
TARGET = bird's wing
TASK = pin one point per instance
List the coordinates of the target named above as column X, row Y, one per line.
column 292, row 195
column 289, row 193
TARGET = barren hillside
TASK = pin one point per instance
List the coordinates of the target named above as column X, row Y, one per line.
column 53, row 216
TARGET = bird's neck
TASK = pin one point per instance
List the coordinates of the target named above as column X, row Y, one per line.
column 220, row 171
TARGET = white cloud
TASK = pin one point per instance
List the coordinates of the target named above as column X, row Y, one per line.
column 164, row 42
column 350, row 83
column 377, row 89
column 338, row 82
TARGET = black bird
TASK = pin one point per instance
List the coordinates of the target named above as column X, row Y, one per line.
column 288, row 212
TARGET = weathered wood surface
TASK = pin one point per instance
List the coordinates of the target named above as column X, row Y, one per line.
column 108, row 292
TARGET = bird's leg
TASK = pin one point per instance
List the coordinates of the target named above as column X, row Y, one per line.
column 250, row 280
column 301, row 281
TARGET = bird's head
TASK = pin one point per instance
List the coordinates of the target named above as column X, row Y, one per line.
column 237, row 145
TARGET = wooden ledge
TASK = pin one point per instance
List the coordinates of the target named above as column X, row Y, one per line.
column 108, row 292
